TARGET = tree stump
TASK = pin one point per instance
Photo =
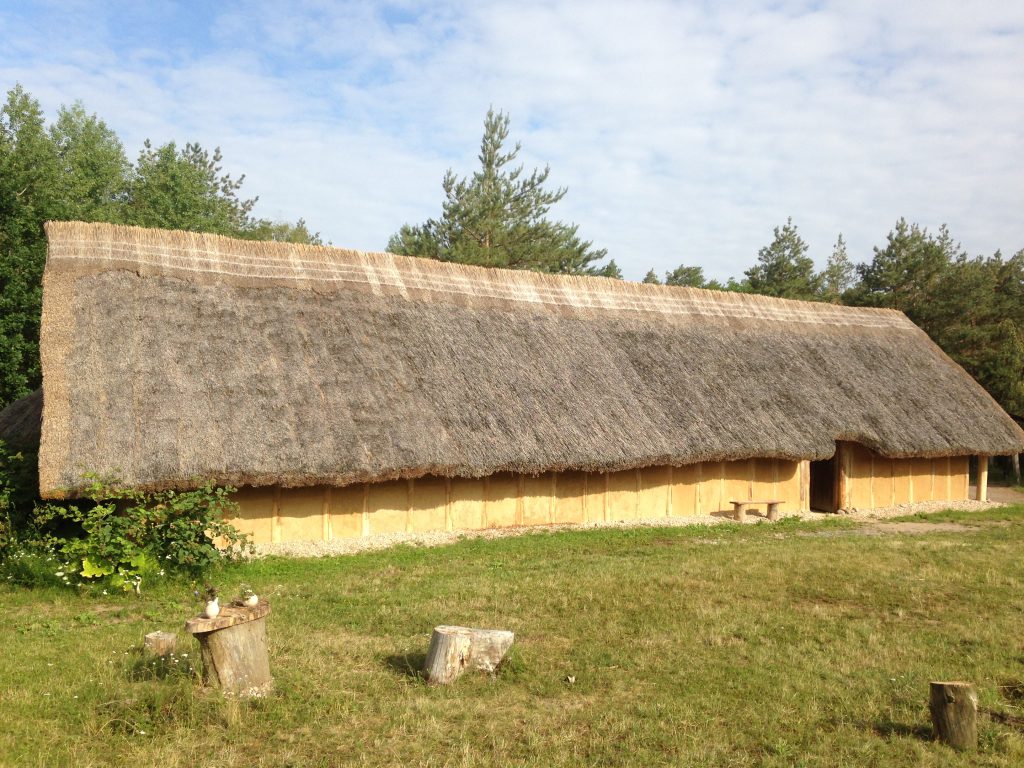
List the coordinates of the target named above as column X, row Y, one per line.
column 954, row 708
column 234, row 649
column 160, row 643
column 455, row 649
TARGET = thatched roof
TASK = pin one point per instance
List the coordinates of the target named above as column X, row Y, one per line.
column 170, row 357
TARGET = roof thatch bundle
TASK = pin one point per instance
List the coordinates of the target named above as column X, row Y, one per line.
column 170, row 357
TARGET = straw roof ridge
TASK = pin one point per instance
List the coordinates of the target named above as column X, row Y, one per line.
column 81, row 247
column 172, row 356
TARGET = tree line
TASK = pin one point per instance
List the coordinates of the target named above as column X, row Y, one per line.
column 77, row 169
column 971, row 306
column 499, row 216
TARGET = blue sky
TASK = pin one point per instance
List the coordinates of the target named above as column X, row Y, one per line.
column 684, row 131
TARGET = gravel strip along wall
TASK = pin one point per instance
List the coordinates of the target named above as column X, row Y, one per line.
column 369, row 543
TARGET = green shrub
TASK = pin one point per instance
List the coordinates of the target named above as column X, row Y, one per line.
column 122, row 536
column 34, row 564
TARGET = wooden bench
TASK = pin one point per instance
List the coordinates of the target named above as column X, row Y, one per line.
column 740, row 508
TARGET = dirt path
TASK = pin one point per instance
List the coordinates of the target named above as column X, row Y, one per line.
column 1003, row 494
column 885, row 529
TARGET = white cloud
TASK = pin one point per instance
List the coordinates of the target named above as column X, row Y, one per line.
column 684, row 131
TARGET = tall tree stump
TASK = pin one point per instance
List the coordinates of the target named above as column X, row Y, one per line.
column 954, row 708
column 234, row 649
column 455, row 649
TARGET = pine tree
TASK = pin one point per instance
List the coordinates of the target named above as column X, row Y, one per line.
column 783, row 268
column 651, row 277
column 689, row 276
column 905, row 273
column 186, row 189
column 498, row 217
column 840, row 274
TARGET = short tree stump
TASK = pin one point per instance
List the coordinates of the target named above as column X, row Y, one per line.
column 160, row 643
column 234, row 649
column 454, row 649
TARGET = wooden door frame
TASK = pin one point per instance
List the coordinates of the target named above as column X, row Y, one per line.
column 835, row 485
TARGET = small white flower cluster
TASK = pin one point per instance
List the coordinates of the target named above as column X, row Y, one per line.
column 65, row 574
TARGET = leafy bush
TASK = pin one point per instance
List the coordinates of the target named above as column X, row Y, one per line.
column 121, row 536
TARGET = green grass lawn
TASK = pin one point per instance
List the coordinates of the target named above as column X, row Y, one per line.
column 779, row 645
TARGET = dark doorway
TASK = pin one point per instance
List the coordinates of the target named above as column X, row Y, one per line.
column 824, row 484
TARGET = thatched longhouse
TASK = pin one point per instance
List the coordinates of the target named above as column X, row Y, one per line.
column 348, row 393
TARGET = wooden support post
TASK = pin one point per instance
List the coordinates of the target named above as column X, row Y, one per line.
column 275, row 516
column 234, row 649
column 842, row 477
column 698, row 478
column 455, row 649
column 954, row 708
column 982, row 494
column 160, row 643
column 804, row 472
column 741, row 512
column 325, row 513
column 366, row 511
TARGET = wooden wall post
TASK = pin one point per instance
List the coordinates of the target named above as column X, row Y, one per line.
column 553, row 501
column 275, row 516
column 871, row 480
column 325, row 514
column 449, row 524
column 607, row 482
column 842, row 477
column 366, row 510
column 671, row 488
column 410, row 505
column 805, row 485
column 698, row 478
column 982, row 494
